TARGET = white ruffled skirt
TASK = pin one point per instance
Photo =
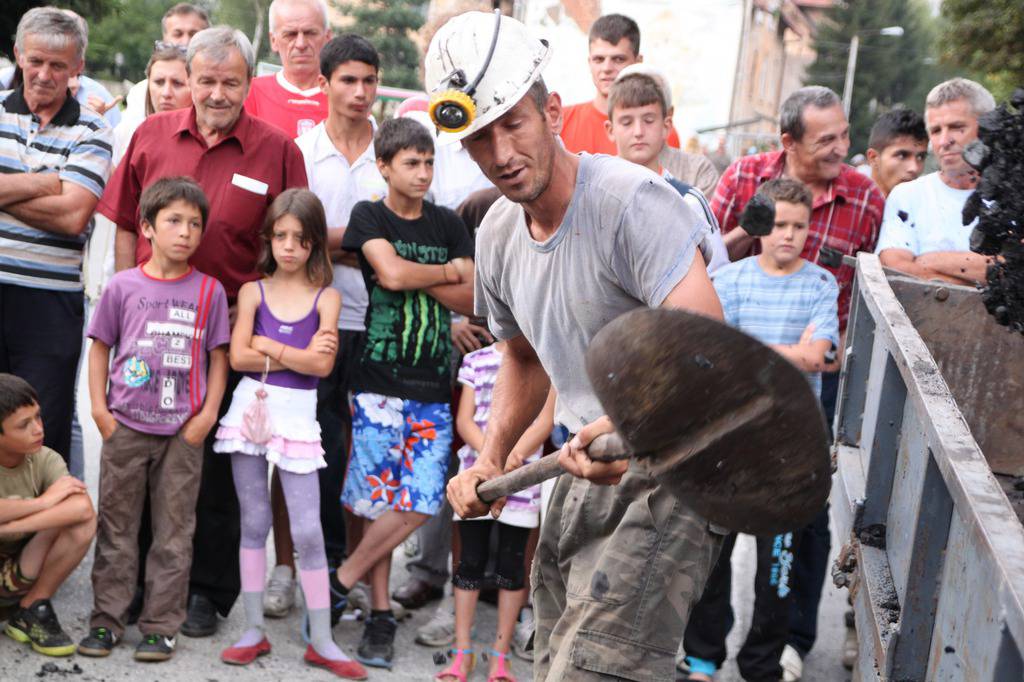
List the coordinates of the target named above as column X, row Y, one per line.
column 295, row 444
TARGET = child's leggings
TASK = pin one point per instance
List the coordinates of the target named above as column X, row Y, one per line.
column 302, row 495
column 510, row 566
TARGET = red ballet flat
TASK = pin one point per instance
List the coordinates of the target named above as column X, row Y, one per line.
column 244, row 655
column 349, row 670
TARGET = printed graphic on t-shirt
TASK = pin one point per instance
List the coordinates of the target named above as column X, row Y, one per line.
column 409, row 327
column 160, row 367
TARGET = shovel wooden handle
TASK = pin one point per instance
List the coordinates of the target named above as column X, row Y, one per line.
column 604, row 448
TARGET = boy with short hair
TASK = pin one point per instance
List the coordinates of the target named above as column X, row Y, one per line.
column 639, row 125
column 417, row 263
column 46, row 522
column 167, row 324
column 897, row 148
column 790, row 304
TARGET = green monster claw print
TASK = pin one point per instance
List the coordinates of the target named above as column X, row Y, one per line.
column 409, row 328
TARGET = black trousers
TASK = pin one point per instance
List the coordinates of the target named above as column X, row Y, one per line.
column 41, row 341
column 332, row 411
column 510, row 567
column 815, row 545
column 215, row 543
column 712, row 618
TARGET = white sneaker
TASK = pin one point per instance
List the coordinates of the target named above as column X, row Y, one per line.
column 792, row 665
column 440, row 629
column 359, row 599
column 522, row 638
column 279, row 597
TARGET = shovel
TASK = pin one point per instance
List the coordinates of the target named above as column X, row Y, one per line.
column 731, row 427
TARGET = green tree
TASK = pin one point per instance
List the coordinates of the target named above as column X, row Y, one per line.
column 891, row 71
column 249, row 16
column 986, row 37
column 128, row 29
column 387, row 24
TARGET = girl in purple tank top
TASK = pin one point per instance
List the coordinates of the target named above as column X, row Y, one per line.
column 287, row 327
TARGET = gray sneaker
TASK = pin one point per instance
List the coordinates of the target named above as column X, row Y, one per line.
column 279, row 597
column 522, row 638
column 359, row 598
column 440, row 629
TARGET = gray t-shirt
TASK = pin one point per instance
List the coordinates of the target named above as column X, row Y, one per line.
column 626, row 240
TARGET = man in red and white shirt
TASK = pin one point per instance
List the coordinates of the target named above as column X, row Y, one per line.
column 291, row 99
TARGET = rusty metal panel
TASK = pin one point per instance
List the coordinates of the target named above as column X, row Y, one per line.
column 982, row 362
column 967, row 624
column 907, row 484
column 966, row 638
column 919, row 596
column 853, row 381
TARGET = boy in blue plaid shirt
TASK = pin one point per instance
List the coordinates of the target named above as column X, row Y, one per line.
column 789, row 304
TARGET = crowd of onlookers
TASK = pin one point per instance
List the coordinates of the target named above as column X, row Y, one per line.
column 270, row 276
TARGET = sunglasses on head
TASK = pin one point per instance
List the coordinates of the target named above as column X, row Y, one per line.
column 161, row 45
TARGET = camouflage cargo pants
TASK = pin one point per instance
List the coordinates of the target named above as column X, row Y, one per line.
column 617, row 570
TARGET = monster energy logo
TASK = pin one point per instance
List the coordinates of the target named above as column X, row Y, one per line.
column 409, row 327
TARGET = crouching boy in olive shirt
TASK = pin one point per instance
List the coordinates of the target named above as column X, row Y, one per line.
column 46, row 522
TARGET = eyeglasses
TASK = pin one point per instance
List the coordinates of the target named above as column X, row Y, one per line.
column 161, row 45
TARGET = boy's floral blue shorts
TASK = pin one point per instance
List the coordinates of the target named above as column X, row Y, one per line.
column 400, row 454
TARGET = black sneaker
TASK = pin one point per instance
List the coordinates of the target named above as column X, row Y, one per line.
column 38, row 625
column 339, row 597
column 378, row 646
column 98, row 643
column 155, row 648
column 201, row 619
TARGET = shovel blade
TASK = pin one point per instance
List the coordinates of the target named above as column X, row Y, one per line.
column 732, row 427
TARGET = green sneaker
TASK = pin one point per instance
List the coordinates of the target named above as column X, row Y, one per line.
column 38, row 625
column 98, row 643
column 155, row 648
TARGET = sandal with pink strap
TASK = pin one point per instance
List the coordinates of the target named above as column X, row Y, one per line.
column 455, row 669
column 501, row 674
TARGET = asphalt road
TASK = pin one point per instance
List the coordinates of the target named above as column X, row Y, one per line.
column 197, row 660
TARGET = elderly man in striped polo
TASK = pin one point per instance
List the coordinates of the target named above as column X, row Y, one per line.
column 55, row 159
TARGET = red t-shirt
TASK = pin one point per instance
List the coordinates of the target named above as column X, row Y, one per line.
column 241, row 175
column 291, row 111
column 583, row 131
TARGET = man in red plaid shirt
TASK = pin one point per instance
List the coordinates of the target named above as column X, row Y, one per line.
column 845, row 219
column 848, row 206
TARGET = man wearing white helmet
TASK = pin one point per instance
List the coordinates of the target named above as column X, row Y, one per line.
column 574, row 242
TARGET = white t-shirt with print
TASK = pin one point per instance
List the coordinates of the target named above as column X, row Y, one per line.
column 925, row 216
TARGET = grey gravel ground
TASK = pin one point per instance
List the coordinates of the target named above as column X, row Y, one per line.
column 197, row 660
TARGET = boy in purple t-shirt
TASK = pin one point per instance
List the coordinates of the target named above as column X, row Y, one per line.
column 167, row 325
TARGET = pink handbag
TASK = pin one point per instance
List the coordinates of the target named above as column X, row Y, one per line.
column 256, row 419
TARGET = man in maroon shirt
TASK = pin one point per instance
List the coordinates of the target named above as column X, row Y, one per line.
column 242, row 164
column 845, row 219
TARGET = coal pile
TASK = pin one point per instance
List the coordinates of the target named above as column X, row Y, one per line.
column 998, row 204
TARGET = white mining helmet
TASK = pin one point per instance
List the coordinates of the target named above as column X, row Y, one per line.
column 478, row 66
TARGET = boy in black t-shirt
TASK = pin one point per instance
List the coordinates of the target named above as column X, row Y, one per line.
column 416, row 259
